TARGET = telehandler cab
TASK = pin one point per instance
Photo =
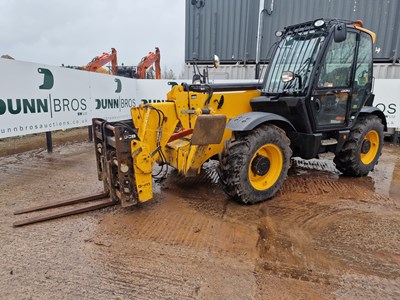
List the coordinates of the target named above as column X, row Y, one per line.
column 316, row 97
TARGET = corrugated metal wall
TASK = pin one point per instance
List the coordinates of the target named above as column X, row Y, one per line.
column 229, row 27
column 381, row 71
column 227, row 72
column 380, row 16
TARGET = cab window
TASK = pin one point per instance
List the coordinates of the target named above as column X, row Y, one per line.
column 332, row 93
column 337, row 64
column 363, row 73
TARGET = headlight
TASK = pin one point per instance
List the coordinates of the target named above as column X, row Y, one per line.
column 319, row 23
column 287, row 76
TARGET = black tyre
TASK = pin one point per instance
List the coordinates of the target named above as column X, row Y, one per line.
column 361, row 151
column 254, row 165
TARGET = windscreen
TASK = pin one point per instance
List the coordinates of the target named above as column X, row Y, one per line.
column 296, row 52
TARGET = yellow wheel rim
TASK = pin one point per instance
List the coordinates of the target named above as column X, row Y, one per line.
column 369, row 147
column 275, row 158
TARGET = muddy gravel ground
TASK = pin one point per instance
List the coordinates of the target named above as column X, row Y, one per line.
column 324, row 236
column 29, row 142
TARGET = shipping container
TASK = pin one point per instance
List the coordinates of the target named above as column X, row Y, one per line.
column 229, row 28
column 380, row 16
column 237, row 71
column 224, row 27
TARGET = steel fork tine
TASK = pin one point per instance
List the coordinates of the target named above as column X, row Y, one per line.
column 63, row 203
column 66, row 212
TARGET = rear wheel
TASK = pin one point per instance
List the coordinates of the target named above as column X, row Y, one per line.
column 254, row 165
column 363, row 148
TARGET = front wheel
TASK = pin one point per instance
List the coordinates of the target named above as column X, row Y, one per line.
column 254, row 165
column 361, row 151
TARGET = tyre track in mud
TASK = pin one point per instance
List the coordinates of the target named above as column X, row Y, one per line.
column 201, row 251
column 150, row 261
column 323, row 236
column 317, row 207
column 323, row 228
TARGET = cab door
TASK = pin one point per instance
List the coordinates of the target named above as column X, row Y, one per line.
column 332, row 93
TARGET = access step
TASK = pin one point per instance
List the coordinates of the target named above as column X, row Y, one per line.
column 329, row 142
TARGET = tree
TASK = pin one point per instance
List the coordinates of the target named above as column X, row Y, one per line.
column 168, row 74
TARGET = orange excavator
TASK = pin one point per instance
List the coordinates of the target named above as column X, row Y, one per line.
column 97, row 63
column 147, row 62
column 140, row 72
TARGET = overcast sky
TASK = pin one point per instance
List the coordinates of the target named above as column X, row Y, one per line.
column 72, row 32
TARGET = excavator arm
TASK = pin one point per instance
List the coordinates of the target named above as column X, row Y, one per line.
column 147, row 61
column 99, row 61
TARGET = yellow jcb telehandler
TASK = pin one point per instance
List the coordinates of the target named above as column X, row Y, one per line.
column 316, row 97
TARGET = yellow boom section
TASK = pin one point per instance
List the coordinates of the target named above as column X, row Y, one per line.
column 158, row 123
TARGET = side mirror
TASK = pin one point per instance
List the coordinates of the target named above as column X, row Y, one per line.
column 340, row 33
column 287, row 76
column 216, row 61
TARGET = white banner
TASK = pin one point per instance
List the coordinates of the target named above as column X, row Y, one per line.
column 387, row 99
column 112, row 96
column 38, row 98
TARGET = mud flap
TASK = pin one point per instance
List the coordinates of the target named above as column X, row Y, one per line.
column 208, row 129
